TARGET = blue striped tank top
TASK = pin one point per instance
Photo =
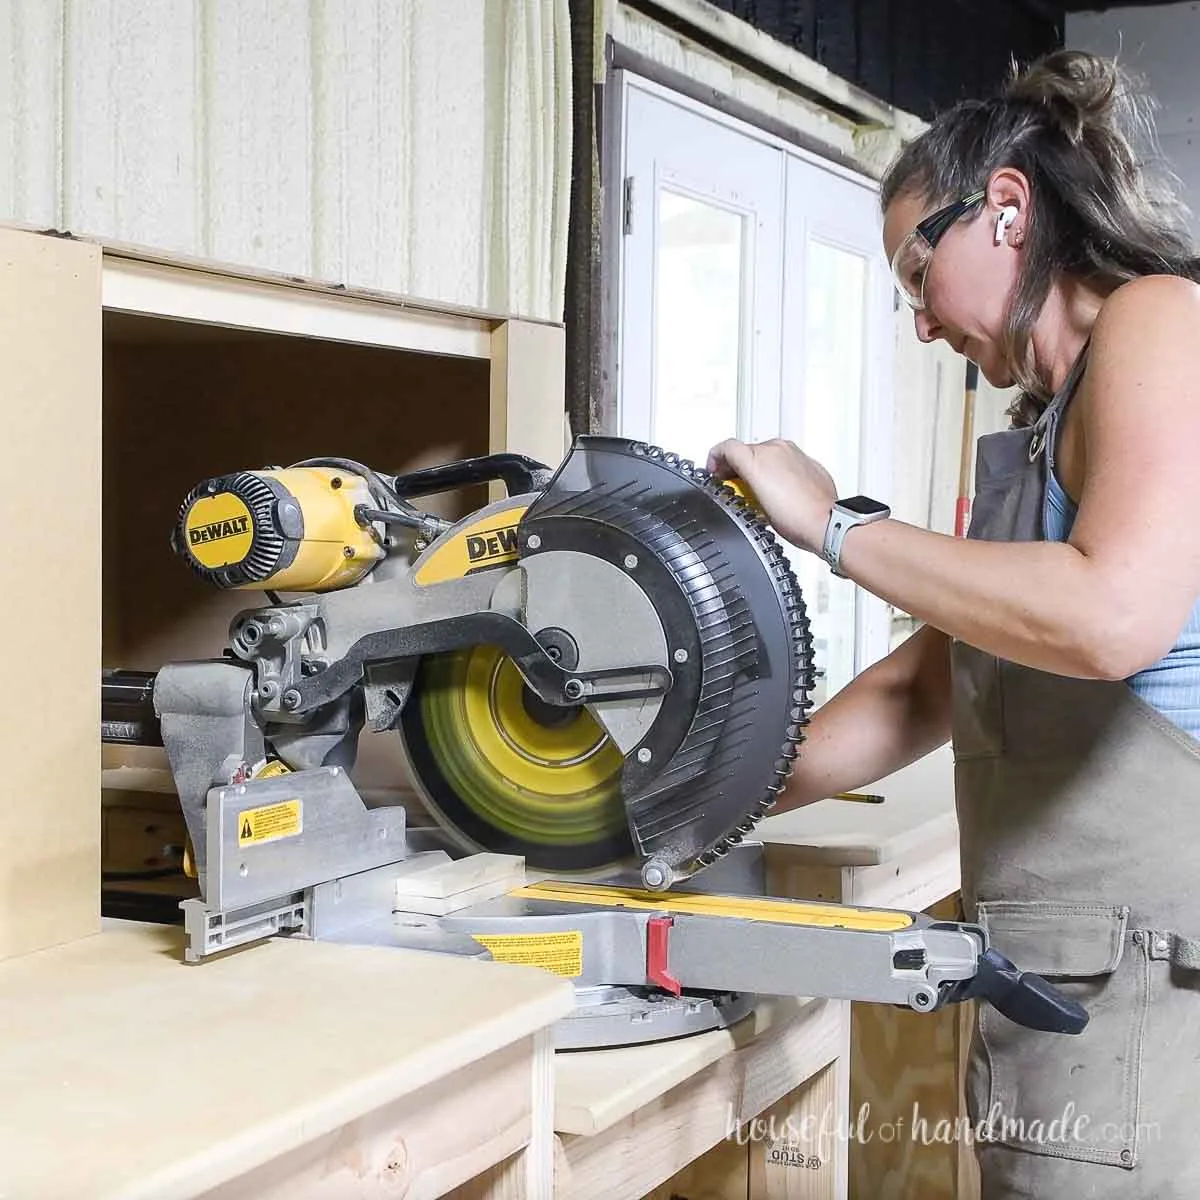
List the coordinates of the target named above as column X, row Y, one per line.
column 1171, row 685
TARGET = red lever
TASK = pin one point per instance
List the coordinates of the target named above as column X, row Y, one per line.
column 658, row 952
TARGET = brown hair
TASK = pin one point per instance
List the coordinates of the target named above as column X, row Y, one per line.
column 1069, row 122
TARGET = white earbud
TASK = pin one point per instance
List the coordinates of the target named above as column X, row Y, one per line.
column 1008, row 214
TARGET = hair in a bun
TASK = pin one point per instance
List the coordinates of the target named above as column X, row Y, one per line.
column 1077, row 127
column 1077, row 92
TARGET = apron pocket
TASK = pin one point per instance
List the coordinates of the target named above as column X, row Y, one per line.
column 1067, row 1096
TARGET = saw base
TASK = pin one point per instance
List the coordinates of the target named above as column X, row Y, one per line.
column 605, row 1015
column 645, row 965
column 621, row 1016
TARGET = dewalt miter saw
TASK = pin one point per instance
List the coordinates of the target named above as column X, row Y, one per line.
column 605, row 675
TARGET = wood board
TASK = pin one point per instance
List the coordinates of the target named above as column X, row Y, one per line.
column 660, row 1136
column 218, row 1070
column 918, row 807
column 50, row 514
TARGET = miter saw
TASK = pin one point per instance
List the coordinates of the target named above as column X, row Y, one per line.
column 602, row 679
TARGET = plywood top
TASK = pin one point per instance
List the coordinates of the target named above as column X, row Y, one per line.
column 917, row 812
column 594, row 1089
column 127, row 1073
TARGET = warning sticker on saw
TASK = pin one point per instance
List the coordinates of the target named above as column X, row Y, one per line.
column 559, row 953
column 269, row 822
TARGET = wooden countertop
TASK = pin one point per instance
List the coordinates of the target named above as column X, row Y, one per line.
column 597, row 1088
column 627, row 1120
column 127, row 1073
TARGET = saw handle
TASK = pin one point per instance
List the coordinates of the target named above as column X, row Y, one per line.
column 744, row 490
column 1024, row 997
column 517, row 472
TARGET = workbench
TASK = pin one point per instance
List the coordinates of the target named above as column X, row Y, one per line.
column 308, row 1069
column 304, row 1069
column 284, row 1070
column 642, row 1121
column 296, row 1068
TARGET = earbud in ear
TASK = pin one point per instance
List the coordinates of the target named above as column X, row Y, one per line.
column 1008, row 214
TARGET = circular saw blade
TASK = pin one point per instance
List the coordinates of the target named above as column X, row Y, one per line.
column 504, row 772
column 728, row 730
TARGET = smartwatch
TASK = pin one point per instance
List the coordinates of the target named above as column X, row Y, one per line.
column 856, row 510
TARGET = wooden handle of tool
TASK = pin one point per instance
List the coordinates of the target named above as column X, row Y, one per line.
column 962, row 507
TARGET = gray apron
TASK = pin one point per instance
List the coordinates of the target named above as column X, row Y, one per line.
column 1079, row 811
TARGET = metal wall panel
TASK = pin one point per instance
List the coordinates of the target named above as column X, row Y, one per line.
column 129, row 154
column 31, row 109
column 413, row 146
column 1158, row 45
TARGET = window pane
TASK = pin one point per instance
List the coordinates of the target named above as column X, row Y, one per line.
column 698, row 325
column 835, row 294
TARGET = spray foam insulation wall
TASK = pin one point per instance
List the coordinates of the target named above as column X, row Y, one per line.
column 183, row 403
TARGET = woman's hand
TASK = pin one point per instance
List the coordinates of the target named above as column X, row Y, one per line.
column 795, row 491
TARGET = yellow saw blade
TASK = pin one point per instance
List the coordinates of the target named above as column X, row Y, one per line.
column 509, row 773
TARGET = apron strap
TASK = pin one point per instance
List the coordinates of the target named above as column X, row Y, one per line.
column 1045, row 430
column 1182, row 951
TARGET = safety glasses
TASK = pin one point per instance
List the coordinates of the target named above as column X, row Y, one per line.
column 913, row 256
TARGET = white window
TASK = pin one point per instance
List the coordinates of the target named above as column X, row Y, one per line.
column 754, row 302
column 702, row 280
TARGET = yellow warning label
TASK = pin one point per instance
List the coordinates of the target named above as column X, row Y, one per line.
column 269, row 822
column 559, row 953
column 273, row 770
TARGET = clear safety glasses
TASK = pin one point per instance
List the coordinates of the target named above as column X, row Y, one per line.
column 913, row 255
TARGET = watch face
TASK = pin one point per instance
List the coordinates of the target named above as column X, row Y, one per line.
column 862, row 506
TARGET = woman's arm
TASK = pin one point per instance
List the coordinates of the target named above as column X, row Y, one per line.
column 1111, row 600
column 893, row 713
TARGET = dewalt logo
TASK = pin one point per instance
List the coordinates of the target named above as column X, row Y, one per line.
column 479, row 546
column 218, row 530
column 495, row 543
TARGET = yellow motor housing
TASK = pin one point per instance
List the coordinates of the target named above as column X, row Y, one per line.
column 291, row 530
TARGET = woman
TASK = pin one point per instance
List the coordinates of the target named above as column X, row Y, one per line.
column 1061, row 644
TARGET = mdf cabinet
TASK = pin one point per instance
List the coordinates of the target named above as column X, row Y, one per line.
column 124, row 382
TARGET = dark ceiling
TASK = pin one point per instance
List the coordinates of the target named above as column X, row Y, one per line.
column 1093, row 6
column 921, row 55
